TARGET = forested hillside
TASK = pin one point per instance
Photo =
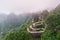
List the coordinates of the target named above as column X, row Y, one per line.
column 11, row 22
column 16, row 26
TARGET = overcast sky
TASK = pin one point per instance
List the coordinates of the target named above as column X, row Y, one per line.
column 21, row 6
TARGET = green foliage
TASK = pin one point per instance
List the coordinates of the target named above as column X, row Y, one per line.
column 58, row 35
column 22, row 35
column 40, row 26
column 46, row 35
column 58, row 27
column 49, row 35
column 19, row 35
column 53, row 20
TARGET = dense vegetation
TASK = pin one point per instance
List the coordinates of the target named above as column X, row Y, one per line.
column 10, row 23
column 51, row 33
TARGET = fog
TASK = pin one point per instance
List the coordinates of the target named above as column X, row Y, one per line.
column 23, row 6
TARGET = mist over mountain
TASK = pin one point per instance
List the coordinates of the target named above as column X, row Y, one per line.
column 12, row 21
column 2, row 17
column 17, row 25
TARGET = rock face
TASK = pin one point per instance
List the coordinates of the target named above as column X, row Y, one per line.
column 36, row 35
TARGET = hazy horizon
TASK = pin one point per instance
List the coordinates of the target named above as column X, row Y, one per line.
column 23, row 6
